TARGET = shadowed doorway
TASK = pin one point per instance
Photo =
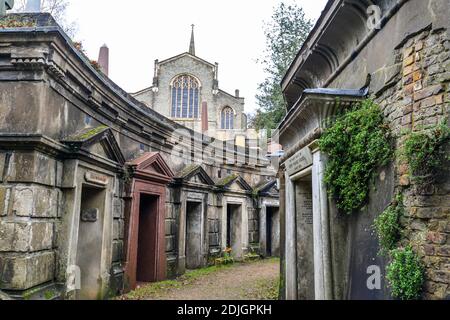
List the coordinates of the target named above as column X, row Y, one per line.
column 234, row 229
column 90, row 241
column 273, row 232
column 147, row 243
column 193, row 235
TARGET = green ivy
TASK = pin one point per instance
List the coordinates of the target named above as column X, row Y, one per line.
column 425, row 152
column 406, row 274
column 387, row 226
column 357, row 144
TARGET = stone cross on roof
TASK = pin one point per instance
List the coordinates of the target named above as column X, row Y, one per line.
column 192, row 44
column 6, row 5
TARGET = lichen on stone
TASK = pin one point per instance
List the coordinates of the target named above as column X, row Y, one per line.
column 225, row 181
column 16, row 22
column 91, row 132
column 188, row 170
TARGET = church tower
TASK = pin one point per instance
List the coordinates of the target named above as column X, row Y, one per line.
column 186, row 89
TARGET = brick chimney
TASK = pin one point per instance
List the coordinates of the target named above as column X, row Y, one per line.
column 204, row 116
column 103, row 59
column 236, row 93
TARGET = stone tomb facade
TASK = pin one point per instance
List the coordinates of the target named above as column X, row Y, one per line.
column 197, row 218
column 401, row 62
column 86, row 233
column 145, row 219
column 269, row 219
column 237, row 208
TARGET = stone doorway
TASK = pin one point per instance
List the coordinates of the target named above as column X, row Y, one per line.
column 234, row 229
column 273, row 231
column 90, row 242
column 147, row 239
column 194, row 212
column 145, row 214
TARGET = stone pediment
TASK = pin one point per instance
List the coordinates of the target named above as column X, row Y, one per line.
column 268, row 189
column 151, row 166
column 194, row 174
column 99, row 141
column 234, row 182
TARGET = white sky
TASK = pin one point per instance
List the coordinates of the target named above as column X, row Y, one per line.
column 137, row 32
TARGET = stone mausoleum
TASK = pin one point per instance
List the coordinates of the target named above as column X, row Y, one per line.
column 396, row 52
column 99, row 192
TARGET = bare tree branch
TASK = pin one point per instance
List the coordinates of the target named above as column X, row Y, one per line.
column 58, row 9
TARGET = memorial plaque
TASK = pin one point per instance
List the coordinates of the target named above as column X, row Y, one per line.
column 307, row 208
column 96, row 178
column 89, row 215
column 299, row 161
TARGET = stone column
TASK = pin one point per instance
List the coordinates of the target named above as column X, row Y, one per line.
column 322, row 260
column 263, row 230
column 291, row 242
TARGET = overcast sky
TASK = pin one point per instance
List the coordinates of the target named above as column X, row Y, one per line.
column 137, row 32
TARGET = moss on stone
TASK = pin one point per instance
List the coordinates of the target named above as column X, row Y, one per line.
column 17, row 22
column 225, row 181
column 188, row 169
column 85, row 135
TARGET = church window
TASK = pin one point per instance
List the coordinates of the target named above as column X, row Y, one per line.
column 185, row 97
column 227, row 118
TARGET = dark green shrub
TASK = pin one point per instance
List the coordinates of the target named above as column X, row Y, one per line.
column 405, row 274
column 357, row 144
column 425, row 152
column 387, row 227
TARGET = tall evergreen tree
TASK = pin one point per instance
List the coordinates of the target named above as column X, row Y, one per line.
column 285, row 34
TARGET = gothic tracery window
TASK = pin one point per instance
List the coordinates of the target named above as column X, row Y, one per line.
column 185, row 97
column 227, row 118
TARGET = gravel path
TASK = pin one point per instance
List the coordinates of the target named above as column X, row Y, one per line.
column 249, row 281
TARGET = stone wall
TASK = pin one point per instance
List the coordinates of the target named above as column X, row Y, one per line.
column 405, row 67
column 418, row 100
column 29, row 211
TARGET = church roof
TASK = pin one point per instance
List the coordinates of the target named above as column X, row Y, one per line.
column 185, row 54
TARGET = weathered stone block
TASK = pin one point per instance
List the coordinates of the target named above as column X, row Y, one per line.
column 170, row 244
column 169, row 227
column 32, row 167
column 117, row 208
column 440, row 276
column 118, row 229
column 25, row 236
column 45, row 202
column 25, row 272
column 117, row 252
column 443, row 251
column 428, row 213
column 427, row 92
column 4, row 200
column 41, row 236
column 22, row 202
column 436, row 237
column 2, row 165
column 35, row 201
column 14, row 236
